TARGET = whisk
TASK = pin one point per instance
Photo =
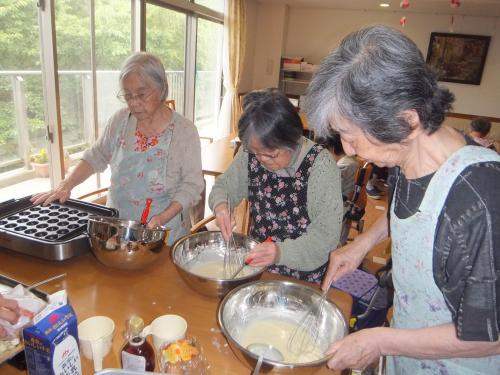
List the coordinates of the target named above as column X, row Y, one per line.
column 232, row 259
column 304, row 337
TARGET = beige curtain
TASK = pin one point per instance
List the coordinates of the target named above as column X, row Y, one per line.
column 233, row 56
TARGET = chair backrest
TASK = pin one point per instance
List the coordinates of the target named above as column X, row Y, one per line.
column 354, row 208
column 361, row 178
column 170, row 104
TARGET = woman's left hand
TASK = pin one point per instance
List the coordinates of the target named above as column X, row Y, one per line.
column 155, row 220
column 263, row 254
column 356, row 351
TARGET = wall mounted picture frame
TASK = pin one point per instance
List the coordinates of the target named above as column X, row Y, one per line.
column 458, row 58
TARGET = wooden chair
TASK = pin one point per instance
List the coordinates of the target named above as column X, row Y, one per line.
column 196, row 212
column 241, row 214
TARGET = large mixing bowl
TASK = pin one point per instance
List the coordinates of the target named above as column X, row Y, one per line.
column 279, row 306
column 206, row 247
column 125, row 244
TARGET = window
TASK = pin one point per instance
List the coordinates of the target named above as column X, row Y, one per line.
column 208, row 76
column 22, row 117
column 166, row 38
column 217, row 5
column 93, row 38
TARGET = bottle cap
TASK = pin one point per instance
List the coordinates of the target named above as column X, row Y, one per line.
column 135, row 325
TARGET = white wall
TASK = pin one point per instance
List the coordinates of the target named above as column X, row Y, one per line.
column 269, row 42
column 312, row 32
column 251, row 24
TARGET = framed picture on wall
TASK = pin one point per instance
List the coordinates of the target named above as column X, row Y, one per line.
column 458, row 57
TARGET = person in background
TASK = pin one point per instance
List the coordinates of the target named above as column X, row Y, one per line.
column 347, row 164
column 9, row 311
column 153, row 152
column 479, row 129
column 292, row 185
column 376, row 90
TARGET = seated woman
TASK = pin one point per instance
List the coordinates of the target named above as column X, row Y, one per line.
column 479, row 129
column 347, row 164
column 9, row 311
column 292, row 185
column 145, row 145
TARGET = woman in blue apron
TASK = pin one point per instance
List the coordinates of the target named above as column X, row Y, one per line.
column 376, row 90
column 292, row 186
column 152, row 151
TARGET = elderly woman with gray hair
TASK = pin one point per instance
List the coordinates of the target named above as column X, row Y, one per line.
column 153, row 152
column 292, row 185
column 376, row 90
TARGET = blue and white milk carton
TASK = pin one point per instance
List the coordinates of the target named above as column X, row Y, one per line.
column 51, row 343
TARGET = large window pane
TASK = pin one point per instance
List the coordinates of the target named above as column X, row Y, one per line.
column 208, row 76
column 112, row 43
column 22, row 118
column 217, row 5
column 74, row 69
column 166, row 38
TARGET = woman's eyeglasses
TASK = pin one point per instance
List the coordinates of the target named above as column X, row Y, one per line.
column 127, row 98
column 263, row 155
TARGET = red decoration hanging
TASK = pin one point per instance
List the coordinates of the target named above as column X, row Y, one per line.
column 455, row 3
column 404, row 4
column 402, row 21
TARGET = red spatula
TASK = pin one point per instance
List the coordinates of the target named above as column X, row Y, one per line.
column 145, row 212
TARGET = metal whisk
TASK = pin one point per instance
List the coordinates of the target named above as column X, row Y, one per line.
column 233, row 260
column 305, row 336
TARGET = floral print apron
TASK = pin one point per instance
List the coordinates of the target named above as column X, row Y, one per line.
column 139, row 175
column 278, row 207
column 418, row 302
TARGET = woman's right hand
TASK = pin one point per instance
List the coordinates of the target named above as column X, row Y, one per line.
column 9, row 310
column 343, row 260
column 224, row 220
column 61, row 194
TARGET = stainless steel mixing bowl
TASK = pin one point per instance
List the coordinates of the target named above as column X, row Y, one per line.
column 192, row 248
column 283, row 301
column 125, row 244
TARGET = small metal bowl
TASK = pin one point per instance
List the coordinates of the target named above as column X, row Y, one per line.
column 205, row 246
column 125, row 244
column 282, row 301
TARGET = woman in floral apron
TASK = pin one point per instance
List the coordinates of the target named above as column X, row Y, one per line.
column 145, row 146
column 376, row 90
column 292, row 185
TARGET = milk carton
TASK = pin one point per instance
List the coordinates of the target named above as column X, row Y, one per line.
column 51, row 343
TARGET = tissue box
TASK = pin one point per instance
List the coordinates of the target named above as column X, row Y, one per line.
column 51, row 343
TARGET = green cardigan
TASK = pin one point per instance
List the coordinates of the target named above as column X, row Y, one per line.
column 324, row 206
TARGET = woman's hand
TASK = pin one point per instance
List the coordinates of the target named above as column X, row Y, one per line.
column 62, row 194
column 343, row 260
column 155, row 220
column 224, row 220
column 263, row 254
column 9, row 311
column 356, row 351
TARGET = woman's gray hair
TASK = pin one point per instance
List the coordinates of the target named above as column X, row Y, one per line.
column 370, row 79
column 150, row 70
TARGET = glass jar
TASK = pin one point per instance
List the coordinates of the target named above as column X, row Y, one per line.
column 183, row 357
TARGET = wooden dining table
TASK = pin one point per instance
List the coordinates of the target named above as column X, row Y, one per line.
column 216, row 156
column 95, row 289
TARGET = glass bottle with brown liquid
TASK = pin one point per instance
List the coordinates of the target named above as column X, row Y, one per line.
column 137, row 354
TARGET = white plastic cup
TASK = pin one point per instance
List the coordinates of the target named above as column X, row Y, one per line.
column 96, row 335
column 166, row 329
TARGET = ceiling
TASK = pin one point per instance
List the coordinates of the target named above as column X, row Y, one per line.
column 483, row 8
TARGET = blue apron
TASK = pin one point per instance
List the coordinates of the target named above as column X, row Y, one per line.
column 418, row 302
column 139, row 175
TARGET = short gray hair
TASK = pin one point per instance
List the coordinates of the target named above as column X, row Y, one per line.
column 149, row 68
column 370, row 79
